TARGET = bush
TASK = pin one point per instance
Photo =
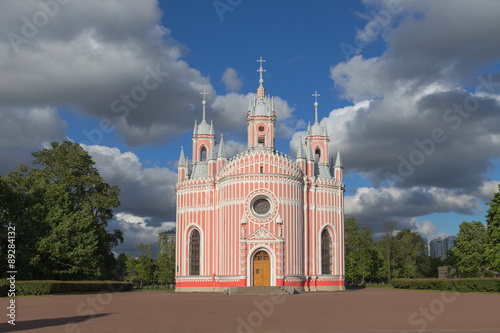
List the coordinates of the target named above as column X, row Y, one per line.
column 24, row 288
column 461, row 285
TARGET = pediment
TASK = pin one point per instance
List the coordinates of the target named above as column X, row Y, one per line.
column 262, row 234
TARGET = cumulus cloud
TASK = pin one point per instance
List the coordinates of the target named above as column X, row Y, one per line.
column 424, row 126
column 23, row 130
column 113, row 60
column 145, row 192
column 234, row 147
column 374, row 206
column 109, row 59
column 446, row 42
column 231, row 80
column 424, row 228
column 227, row 113
column 137, row 230
column 419, row 140
column 487, row 190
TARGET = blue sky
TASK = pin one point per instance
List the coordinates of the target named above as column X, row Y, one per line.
column 409, row 92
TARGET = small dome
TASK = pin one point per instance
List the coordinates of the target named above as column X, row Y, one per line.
column 317, row 130
column 204, row 128
column 261, row 109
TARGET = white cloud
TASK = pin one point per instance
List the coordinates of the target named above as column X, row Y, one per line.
column 487, row 190
column 234, row 147
column 144, row 191
column 373, row 206
column 24, row 130
column 107, row 59
column 231, row 80
column 226, row 113
column 424, row 228
column 136, row 230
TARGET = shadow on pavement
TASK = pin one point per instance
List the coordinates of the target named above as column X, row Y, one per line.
column 42, row 323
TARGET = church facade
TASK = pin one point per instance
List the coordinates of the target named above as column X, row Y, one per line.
column 260, row 218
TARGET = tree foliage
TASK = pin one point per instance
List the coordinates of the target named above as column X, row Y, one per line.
column 469, row 250
column 61, row 208
column 389, row 246
column 165, row 261
column 360, row 254
column 410, row 246
column 492, row 251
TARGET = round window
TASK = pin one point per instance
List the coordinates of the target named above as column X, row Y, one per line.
column 262, row 128
column 261, row 206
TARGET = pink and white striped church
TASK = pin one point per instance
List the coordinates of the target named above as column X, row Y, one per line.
column 260, row 218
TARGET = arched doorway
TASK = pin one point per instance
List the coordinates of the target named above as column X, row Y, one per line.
column 261, row 269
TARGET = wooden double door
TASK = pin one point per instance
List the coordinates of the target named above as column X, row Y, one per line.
column 261, row 269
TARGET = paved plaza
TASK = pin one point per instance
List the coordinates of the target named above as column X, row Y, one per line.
column 367, row 310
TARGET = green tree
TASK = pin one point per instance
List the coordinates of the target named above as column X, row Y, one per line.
column 492, row 251
column 360, row 254
column 351, row 245
column 366, row 252
column 387, row 247
column 131, row 270
column 63, row 208
column 121, row 266
column 428, row 266
column 142, row 268
column 410, row 246
column 166, row 259
column 469, row 249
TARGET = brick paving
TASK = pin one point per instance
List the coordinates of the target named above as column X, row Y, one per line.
column 368, row 310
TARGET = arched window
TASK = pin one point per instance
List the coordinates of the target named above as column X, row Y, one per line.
column 194, row 253
column 326, row 252
column 203, row 153
column 317, row 155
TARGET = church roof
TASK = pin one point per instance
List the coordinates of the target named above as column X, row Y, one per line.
column 200, row 170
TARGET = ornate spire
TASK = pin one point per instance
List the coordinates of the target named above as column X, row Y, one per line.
column 212, row 127
column 204, row 93
column 316, row 106
column 182, row 159
column 338, row 162
column 309, row 156
column 204, row 128
column 212, row 153
column 195, row 131
column 222, row 149
column 316, row 129
column 261, row 90
column 300, row 150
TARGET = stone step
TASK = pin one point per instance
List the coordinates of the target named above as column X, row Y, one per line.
column 260, row 290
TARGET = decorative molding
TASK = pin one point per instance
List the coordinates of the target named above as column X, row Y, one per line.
column 261, row 233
